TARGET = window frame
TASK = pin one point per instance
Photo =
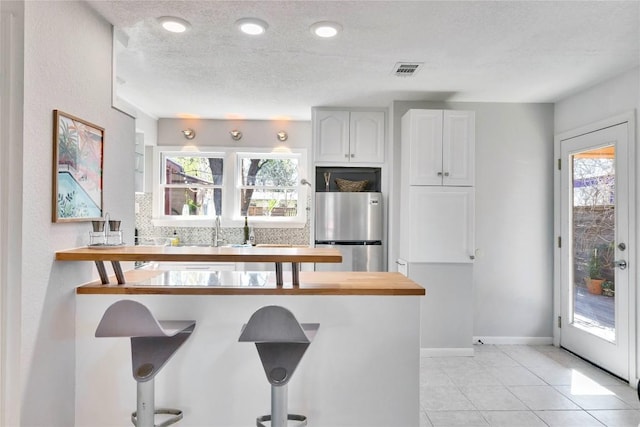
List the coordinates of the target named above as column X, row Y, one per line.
column 231, row 185
column 301, row 207
column 163, row 185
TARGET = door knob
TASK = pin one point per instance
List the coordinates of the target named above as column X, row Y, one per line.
column 621, row 264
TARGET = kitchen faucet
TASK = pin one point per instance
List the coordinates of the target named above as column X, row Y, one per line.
column 216, row 236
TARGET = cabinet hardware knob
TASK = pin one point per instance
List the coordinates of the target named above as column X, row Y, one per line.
column 346, row 156
column 353, row 155
column 439, row 173
column 446, row 174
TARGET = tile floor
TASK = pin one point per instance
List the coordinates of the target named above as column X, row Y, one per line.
column 512, row 386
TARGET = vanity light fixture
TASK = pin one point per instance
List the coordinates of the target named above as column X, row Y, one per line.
column 252, row 26
column 174, row 24
column 326, row 29
column 189, row 133
column 282, row 136
column 236, row 135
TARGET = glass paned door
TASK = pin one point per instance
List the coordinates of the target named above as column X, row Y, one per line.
column 594, row 222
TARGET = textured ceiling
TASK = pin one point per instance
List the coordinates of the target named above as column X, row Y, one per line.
column 506, row 51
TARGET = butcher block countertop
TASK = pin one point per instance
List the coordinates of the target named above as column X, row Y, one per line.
column 158, row 282
column 201, row 254
column 180, row 282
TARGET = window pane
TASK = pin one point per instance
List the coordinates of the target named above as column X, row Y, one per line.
column 594, row 191
column 269, row 202
column 192, row 201
column 195, row 169
column 270, row 172
column 271, row 186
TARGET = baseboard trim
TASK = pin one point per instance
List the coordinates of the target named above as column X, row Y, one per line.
column 446, row 352
column 514, row 340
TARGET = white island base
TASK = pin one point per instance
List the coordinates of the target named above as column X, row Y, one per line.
column 362, row 368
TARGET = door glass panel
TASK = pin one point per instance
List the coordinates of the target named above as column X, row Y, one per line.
column 593, row 224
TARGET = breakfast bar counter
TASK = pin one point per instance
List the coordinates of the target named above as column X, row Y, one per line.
column 245, row 253
column 200, row 253
column 362, row 368
column 159, row 282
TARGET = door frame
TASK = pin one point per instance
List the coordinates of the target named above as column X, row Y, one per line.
column 629, row 118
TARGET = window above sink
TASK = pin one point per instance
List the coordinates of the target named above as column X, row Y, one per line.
column 194, row 185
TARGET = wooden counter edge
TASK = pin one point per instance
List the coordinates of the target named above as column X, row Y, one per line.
column 231, row 291
column 311, row 283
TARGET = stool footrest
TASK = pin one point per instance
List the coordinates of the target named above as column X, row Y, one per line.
column 290, row 417
column 177, row 416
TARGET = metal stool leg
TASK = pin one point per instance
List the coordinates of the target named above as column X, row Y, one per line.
column 145, row 409
column 279, row 409
column 146, row 412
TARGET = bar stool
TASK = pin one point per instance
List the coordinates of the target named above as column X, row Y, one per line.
column 153, row 343
column 281, row 342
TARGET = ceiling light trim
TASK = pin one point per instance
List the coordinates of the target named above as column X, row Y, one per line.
column 252, row 26
column 326, row 29
column 174, row 24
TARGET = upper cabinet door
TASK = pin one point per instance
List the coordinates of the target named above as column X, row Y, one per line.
column 348, row 136
column 458, row 148
column 439, row 147
column 366, row 137
column 331, row 132
column 422, row 135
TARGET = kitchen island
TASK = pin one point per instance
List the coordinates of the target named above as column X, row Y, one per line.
column 362, row 369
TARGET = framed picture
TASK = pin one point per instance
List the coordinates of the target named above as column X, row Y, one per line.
column 77, row 169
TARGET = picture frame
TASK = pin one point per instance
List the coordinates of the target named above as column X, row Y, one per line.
column 78, row 148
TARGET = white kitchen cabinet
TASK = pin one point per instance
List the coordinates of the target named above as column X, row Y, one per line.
column 349, row 136
column 439, row 147
column 437, row 224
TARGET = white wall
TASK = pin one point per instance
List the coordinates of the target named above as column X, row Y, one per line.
column 255, row 133
column 608, row 99
column 67, row 66
column 512, row 275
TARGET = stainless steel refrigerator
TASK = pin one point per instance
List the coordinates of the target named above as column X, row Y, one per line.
column 352, row 223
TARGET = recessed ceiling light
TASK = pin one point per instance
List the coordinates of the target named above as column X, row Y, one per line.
column 252, row 26
column 173, row 24
column 326, row 29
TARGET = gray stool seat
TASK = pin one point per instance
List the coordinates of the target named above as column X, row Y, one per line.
column 281, row 342
column 153, row 343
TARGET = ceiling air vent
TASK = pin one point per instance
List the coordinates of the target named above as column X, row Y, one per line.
column 407, row 69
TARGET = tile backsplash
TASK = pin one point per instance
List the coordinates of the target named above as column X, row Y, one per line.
column 204, row 235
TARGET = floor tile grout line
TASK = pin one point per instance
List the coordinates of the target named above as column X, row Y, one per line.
column 562, row 359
